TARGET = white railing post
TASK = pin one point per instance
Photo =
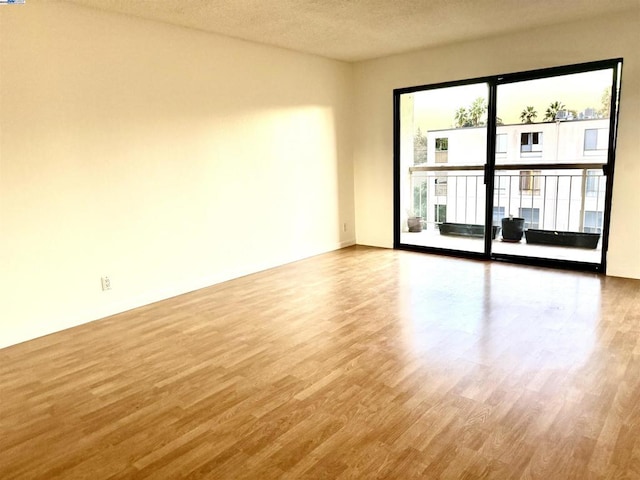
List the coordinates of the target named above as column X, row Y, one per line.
column 583, row 199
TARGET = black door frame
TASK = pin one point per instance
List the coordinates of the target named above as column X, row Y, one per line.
column 489, row 172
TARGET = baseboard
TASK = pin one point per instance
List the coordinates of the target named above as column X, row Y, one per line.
column 147, row 298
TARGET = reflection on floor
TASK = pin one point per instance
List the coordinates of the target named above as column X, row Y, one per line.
column 432, row 238
column 363, row 363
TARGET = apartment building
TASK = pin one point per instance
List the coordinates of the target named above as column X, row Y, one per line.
column 547, row 198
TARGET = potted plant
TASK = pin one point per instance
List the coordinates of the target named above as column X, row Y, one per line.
column 414, row 223
column 512, row 228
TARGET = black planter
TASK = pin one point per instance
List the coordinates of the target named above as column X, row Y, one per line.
column 512, row 229
column 564, row 239
column 466, row 229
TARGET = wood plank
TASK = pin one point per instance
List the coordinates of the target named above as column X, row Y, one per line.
column 359, row 363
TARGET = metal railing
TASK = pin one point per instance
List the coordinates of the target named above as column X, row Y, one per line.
column 563, row 198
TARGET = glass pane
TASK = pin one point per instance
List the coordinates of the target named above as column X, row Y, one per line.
column 560, row 217
column 549, row 179
column 562, row 119
column 442, row 157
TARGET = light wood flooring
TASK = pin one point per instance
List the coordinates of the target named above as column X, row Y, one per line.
column 361, row 363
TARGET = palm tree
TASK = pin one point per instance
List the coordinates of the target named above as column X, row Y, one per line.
column 477, row 111
column 474, row 116
column 462, row 118
column 528, row 115
column 552, row 111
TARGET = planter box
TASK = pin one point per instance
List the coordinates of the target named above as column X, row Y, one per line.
column 564, row 239
column 466, row 229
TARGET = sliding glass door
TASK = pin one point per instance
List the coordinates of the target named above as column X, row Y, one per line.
column 552, row 157
column 529, row 155
column 442, row 156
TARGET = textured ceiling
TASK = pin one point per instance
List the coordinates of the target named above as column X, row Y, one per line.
column 353, row 30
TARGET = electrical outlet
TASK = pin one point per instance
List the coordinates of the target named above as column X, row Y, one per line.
column 106, row 283
column 344, row 227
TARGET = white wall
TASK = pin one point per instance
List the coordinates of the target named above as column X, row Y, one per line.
column 172, row 159
column 167, row 158
column 603, row 38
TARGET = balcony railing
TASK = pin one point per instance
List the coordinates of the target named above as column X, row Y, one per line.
column 563, row 198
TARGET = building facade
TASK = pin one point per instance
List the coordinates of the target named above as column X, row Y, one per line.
column 548, row 173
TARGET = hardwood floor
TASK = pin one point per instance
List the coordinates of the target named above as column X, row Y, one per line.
column 361, row 363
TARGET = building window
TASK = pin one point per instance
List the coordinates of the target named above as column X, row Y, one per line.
column 442, row 144
column 592, row 187
column 530, row 181
column 420, row 199
column 531, row 142
column 596, row 139
column 440, row 212
column 498, row 215
column 501, row 143
column 531, row 217
column 592, row 221
column 441, row 186
column 442, row 150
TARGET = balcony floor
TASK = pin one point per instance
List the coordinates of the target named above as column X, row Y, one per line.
column 432, row 238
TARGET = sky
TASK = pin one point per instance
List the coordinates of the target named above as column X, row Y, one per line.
column 435, row 109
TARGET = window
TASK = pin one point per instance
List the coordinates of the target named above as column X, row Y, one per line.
column 441, row 186
column 530, row 181
column 506, row 145
column 442, row 144
column 592, row 221
column 531, row 142
column 593, row 187
column 531, row 217
column 442, row 150
column 420, row 199
column 596, row 139
column 501, row 143
column 440, row 212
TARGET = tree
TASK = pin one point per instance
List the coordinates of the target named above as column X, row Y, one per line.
column 477, row 112
column 462, row 118
column 419, row 147
column 528, row 115
column 605, row 100
column 473, row 116
column 552, row 111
